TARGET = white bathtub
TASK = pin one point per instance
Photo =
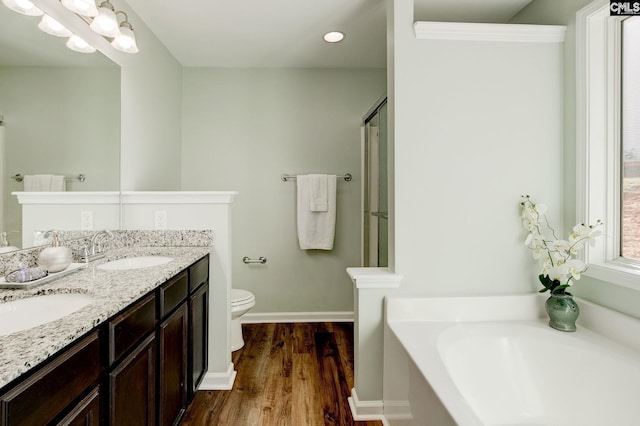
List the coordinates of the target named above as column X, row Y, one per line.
column 495, row 361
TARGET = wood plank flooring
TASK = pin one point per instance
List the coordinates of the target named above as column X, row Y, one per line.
column 297, row 374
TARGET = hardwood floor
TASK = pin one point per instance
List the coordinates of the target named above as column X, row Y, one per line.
column 288, row 375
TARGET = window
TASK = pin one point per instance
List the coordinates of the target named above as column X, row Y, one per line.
column 630, row 136
column 608, row 140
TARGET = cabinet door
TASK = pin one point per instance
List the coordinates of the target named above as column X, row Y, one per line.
column 172, row 368
column 132, row 387
column 198, row 338
column 85, row 413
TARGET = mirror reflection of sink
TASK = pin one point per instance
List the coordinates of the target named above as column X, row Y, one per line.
column 135, row 263
column 22, row 314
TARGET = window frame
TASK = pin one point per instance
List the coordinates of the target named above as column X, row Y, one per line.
column 598, row 137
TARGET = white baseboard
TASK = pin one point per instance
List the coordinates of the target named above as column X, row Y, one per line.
column 365, row 410
column 219, row 381
column 280, row 317
column 397, row 410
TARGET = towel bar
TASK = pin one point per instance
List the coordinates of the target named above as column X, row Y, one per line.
column 285, row 177
column 18, row 177
column 261, row 260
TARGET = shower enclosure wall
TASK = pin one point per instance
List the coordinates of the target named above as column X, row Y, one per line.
column 375, row 250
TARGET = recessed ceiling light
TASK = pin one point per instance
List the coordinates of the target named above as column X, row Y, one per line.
column 333, row 37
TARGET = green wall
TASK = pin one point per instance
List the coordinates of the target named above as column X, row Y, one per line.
column 243, row 128
column 563, row 12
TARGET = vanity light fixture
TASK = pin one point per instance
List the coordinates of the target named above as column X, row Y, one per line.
column 53, row 27
column 102, row 20
column 82, row 7
column 23, row 6
column 105, row 23
column 333, row 37
column 126, row 40
column 79, row 45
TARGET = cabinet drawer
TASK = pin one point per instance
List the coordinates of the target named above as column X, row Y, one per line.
column 173, row 292
column 129, row 327
column 198, row 273
column 43, row 396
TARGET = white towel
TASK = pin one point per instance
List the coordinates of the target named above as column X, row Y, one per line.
column 57, row 183
column 318, row 196
column 43, row 183
column 316, row 229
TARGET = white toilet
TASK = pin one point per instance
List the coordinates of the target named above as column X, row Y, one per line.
column 241, row 302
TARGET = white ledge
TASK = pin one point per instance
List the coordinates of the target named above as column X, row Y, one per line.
column 74, row 197
column 490, row 32
column 374, row 278
column 178, row 197
column 127, row 197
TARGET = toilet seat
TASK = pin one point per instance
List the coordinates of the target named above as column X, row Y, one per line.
column 239, row 296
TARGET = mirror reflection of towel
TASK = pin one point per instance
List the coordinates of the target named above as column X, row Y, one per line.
column 44, row 183
column 316, row 229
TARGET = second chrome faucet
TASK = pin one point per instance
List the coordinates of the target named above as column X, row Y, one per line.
column 95, row 250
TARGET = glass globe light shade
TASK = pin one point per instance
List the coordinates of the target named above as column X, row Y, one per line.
column 53, row 27
column 105, row 23
column 126, row 41
column 79, row 45
column 23, row 6
column 81, row 7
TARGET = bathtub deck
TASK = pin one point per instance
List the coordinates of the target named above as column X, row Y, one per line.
column 288, row 374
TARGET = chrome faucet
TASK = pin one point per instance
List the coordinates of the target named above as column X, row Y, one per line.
column 94, row 251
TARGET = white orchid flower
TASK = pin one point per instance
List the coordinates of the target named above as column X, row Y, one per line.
column 540, row 252
column 582, row 234
column 535, row 240
column 575, row 267
column 555, row 256
column 556, row 273
column 541, row 209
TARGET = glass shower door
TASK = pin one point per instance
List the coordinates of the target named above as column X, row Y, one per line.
column 376, row 216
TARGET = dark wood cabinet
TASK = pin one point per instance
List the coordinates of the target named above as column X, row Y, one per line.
column 85, row 413
column 172, row 367
column 130, row 326
column 198, row 338
column 132, row 387
column 38, row 401
column 173, row 293
column 139, row 368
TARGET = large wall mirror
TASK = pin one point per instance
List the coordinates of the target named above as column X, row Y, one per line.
column 61, row 115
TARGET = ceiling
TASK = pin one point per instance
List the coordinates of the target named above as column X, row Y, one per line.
column 273, row 33
column 288, row 33
column 252, row 33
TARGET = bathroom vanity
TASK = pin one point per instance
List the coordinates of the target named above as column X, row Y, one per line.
column 134, row 356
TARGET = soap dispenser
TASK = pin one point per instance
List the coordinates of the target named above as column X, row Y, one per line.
column 55, row 258
column 4, row 244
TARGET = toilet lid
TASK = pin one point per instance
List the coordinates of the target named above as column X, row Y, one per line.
column 238, row 296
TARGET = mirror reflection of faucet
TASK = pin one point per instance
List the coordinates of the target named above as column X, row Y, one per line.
column 96, row 249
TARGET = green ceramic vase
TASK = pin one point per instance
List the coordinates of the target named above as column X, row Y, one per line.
column 563, row 312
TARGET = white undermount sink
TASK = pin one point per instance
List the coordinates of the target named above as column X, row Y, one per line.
column 135, row 263
column 22, row 314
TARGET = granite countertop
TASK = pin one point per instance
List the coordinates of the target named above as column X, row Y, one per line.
column 112, row 290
